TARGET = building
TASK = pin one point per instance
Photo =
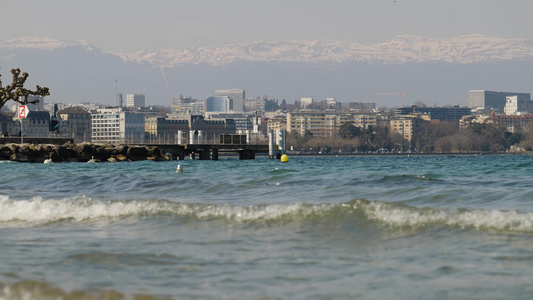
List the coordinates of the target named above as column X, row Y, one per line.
column 218, row 104
column 406, row 126
column 261, row 104
column 75, row 122
column 306, row 102
column 326, row 123
column 237, row 95
column 241, row 121
column 6, row 123
column 443, row 114
column 360, row 106
column 116, row 126
column 516, row 106
column 492, row 100
column 513, row 123
column 212, row 128
column 135, row 100
column 36, row 124
column 182, row 105
column 164, row 130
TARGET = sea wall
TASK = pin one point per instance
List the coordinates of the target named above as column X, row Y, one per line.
column 84, row 152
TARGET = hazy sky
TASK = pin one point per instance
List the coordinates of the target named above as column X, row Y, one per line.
column 131, row 25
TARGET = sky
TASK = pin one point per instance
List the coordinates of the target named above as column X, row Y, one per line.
column 127, row 26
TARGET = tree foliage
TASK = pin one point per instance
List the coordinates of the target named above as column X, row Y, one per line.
column 17, row 92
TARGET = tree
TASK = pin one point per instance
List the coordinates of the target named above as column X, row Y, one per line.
column 349, row 131
column 16, row 91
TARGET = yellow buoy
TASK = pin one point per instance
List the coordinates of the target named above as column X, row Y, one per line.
column 284, row 158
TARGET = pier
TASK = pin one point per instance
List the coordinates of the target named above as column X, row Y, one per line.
column 211, row 151
column 229, row 143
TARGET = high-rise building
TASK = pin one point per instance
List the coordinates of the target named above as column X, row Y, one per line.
column 492, row 100
column 135, row 100
column 237, row 95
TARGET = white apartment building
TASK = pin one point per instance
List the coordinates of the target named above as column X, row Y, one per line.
column 115, row 126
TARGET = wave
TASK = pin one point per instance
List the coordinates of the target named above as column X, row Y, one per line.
column 408, row 178
column 39, row 212
column 31, row 289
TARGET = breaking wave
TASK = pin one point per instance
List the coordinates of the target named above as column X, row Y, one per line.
column 38, row 212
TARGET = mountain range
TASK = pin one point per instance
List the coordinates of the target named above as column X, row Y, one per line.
column 434, row 71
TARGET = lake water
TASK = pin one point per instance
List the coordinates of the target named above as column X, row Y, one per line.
column 412, row 227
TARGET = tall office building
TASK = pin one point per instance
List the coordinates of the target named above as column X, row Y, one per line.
column 135, row 100
column 493, row 100
column 237, row 95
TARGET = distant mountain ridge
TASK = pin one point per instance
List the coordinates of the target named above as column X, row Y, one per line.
column 434, row 71
column 398, row 50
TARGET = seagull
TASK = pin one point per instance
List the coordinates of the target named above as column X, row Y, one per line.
column 47, row 161
column 179, row 169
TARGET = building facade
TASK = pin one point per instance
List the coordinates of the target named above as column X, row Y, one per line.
column 135, row 100
column 237, row 95
column 164, row 130
column 513, row 123
column 516, row 106
column 75, row 122
column 116, row 126
column 407, row 126
column 492, row 100
column 326, row 123
column 184, row 105
column 218, row 104
column 443, row 114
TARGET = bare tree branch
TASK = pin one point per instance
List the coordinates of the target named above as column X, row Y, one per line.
column 17, row 92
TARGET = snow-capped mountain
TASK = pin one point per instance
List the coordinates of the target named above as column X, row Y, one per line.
column 402, row 49
column 434, row 71
column 399, row 50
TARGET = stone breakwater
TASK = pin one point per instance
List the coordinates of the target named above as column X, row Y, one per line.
column 69, row 152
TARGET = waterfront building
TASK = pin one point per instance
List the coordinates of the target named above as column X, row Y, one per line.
column 135, row 100
column 326, row 123
column 164, row 130
column 443, row 114
column 36, row 124
column 211, row 128
column 219, row 104
column 116, row 126
column 75, row 122
column 236, row 95
column 406, row 126
column 277, row 123
column 492, row 100
column 242, row 122
column 6, row 123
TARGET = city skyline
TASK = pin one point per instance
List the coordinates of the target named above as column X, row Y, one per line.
column 129, row 26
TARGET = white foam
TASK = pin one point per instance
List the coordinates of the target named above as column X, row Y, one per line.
column 477, row 219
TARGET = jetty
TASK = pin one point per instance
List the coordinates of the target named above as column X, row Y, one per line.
column 64, row 150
